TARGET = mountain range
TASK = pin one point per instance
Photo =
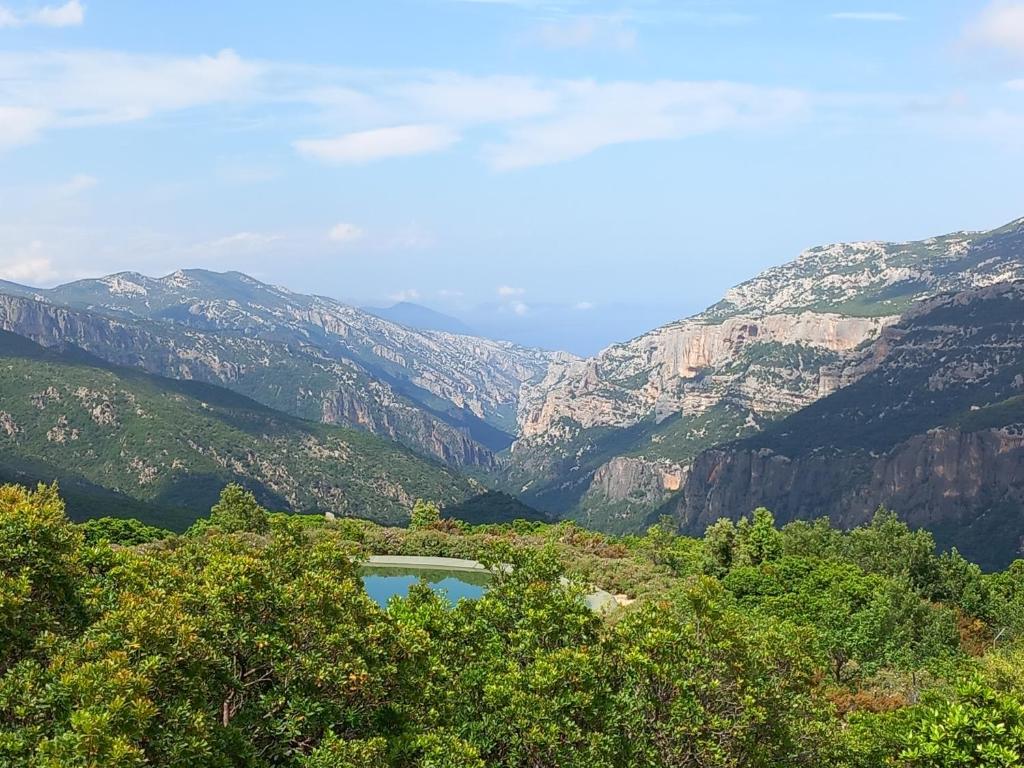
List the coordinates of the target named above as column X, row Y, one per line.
column 450, row 396
column 609, row 439
column 857, row 374
column 123, row 441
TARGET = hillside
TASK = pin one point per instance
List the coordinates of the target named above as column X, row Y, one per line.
column 118, row 439
column 933, row 428
column 446, row 395
column 607, row 440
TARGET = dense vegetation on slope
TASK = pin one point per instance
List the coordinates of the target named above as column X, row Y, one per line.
column 122, row 441
column 251, row 642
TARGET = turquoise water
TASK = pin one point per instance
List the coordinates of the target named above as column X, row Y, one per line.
column 384, row 583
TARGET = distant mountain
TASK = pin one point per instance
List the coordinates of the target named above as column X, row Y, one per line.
column 932, row 426
column 422, row 318
column 608, row 439
column 121, row 441
column 453, row 397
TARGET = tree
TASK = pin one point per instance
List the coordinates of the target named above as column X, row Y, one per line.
column 237, row 510
column 977, row 728
column 719, row 547
column 424, row 515
column 40, row 570
column 118, row 530
column 758, row 541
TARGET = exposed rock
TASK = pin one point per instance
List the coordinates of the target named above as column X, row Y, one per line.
column 772, row 346
column 7, row 424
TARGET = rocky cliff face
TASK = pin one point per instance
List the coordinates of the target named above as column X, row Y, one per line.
column 966, row 487
column 933, row 427
column 771, row 347
column 452, row 396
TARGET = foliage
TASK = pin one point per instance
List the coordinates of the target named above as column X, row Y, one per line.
column 255, row 645
column 424, row 515
column 977, row 727
column 121, row 530
column 237, row 510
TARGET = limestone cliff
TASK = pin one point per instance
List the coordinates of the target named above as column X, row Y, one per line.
column 771, row 347
column 933, row 428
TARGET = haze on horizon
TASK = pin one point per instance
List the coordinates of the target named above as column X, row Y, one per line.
column 565, row 173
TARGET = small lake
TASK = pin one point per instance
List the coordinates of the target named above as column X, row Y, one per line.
column 383, row 583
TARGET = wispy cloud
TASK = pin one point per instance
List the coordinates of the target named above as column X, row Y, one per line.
column 595, row 115
column 85, row 88
column 378, row 144
column 21, row 125
column 406, row 294
column 70, row 14
column 29, row 265
column 240, row 241
column 880, row 16
column 77, row 184
column 505, row 291
column 1015, row 85
column 1000, row 26
column 344, row 233
column 587, row 32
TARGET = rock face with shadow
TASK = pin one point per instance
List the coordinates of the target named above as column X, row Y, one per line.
column 772, row 347
column 932, row 428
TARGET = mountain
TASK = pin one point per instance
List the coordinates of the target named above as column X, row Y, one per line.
column 932, row 427
column 446, row 395
column 121, row 441
column 608, row 439
column 422, row 318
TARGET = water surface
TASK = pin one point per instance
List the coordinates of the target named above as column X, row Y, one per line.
column 383, row 583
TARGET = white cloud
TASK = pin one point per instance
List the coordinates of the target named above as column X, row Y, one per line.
column 21, row 125
column 1015, row 85
column 587, row 31
column 407, row 294
column 378, row 144
column 96, row 87
column 596, row 115
column 344, row 232
column 29, row 265
column 241, row 241
column 462, row 99
column 77, row 184
column 520, row 308
column 505, row 291
column 71, row 14
column 1001, row 26
column 882, row 16
column 450, row 293
column 584, row 306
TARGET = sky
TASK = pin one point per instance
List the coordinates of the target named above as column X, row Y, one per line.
column 560, row 172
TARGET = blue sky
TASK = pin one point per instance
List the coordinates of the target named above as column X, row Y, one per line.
column 596, row 166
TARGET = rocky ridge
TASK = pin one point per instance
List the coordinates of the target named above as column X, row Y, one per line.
column 454, row 397
column 933, row 428
column 772, row 346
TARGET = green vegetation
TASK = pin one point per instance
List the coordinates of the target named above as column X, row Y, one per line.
column 123, row 442
column 249, row 641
